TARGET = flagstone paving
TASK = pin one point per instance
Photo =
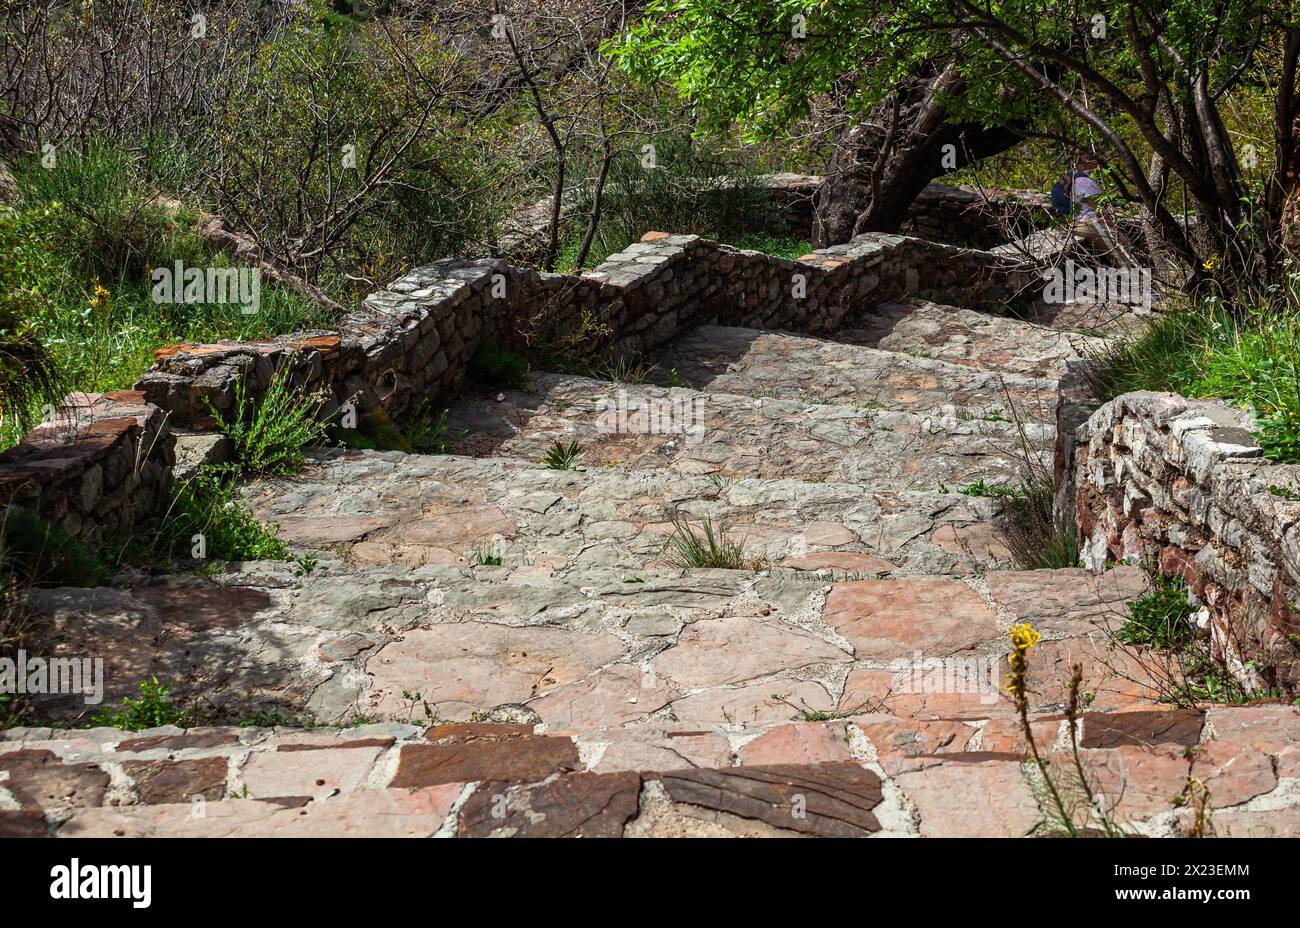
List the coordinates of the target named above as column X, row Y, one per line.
column 489, row 647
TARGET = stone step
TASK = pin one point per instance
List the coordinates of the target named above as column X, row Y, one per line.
column 642, row 427
column 962, row 336
column 749, row 362
column 869, row 774
column 393, row 508
column 599, row 648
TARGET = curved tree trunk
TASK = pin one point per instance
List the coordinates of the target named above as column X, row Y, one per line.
column 879, row 166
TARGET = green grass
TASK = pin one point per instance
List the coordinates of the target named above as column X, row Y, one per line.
column 778, row 246
column 89, row 297
column 487, row 557
column 708, row 548
column 1203, row 352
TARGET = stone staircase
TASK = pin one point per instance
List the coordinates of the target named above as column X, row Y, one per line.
column 493, row 647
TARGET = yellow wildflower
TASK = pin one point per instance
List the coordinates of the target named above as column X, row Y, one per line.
column 1023, row 636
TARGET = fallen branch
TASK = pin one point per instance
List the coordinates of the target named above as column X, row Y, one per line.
column 215, row 232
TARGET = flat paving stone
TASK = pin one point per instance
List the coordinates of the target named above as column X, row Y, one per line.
column 751, row 362
column 738, row 436
column 890, row 619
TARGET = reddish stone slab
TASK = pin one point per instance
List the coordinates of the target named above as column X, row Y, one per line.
column 578, row 805
column 159, row 781
column 1142, row 727
column 480, row 753
column 39, row 780
column 23, row 824
column 204, row 606
column 888, row 619
column 189, row 739
column 828, row 800
column 973, row 795
column 798, row 743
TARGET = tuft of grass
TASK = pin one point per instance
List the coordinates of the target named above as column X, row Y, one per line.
column 487, row 557
column 709, row 548
column 563, row 457
column 624, row 369
column 1037, row 537
column 269, row 435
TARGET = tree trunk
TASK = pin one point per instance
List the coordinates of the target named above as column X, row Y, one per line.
column 879, row 166
column 1290, row 218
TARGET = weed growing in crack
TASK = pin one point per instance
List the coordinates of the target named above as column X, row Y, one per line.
column 989, row 490
column 563, row 457
column 153, row 708
column 268, row 436
column 710, row 548
column 1069, row 802
column 1160, row 637
column 427, row 433
column 1037, row 536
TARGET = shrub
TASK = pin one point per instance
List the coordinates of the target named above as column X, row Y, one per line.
column 695, row 187
column 269, row 435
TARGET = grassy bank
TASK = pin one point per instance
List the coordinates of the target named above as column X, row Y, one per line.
column 1201, row 351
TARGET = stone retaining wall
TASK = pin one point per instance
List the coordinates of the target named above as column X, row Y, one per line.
column 416, row 338
column 1181, row 485
column 95, row 469
column 414, row 341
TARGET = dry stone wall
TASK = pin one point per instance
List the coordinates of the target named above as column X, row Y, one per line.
column 1181, row 485
column 416, row 338
column 107, row 459
column 96, row 468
